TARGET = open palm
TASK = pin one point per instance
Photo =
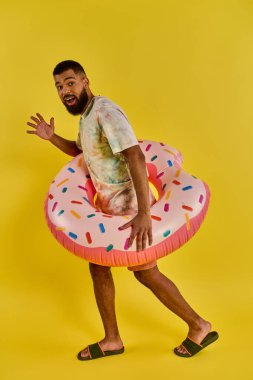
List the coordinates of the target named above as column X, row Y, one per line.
column 42, row 129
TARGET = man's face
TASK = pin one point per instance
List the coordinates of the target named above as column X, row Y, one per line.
column 71, row 90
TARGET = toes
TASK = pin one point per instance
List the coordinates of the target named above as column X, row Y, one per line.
column 181, row 349
column 84, row 353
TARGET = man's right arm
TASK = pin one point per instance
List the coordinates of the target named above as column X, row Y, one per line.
column 46, row 132
column 66, row 146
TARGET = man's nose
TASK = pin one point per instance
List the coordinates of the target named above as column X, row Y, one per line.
column 65, row 91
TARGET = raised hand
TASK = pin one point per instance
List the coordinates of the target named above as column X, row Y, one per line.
column 42, row 129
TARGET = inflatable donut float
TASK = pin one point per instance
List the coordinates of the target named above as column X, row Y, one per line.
column 89, row 233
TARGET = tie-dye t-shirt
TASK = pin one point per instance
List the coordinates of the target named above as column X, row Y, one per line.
column 104, row 131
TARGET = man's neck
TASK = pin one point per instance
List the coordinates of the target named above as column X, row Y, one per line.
column 88, row 103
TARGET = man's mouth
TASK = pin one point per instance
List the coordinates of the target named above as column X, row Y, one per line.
column 70, row 100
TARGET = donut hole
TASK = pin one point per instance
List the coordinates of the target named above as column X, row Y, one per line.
column 153, row 190
column 155, row 186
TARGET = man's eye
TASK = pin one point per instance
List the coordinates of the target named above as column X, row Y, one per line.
column 70, row 83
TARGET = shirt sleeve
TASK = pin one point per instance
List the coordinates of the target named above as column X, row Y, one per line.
column 116, row 128
column 78, row 142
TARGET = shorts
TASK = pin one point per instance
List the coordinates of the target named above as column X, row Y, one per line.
column 149, row 265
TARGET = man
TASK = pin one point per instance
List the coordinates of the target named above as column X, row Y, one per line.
column 118, row 171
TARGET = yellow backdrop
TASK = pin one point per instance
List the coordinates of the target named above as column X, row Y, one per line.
column 183, row 72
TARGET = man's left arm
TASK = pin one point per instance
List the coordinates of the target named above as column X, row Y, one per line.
column 141, row 223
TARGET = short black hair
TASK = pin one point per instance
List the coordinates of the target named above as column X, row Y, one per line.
column 66, row 65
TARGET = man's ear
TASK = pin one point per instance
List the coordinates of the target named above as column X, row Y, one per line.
column 86, row 81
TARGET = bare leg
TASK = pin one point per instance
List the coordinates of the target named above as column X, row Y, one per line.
column 105, row 297
column 167, row 292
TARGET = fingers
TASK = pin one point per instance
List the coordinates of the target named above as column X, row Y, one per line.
column 141, row 239
column 40, row 117
column 32, row 125
column 34, row 132
column 150, row 237
column 139, row 242
column 52, row 122
column 125, row 225
column 140, row 232
column 144, row 241
column 35, row 119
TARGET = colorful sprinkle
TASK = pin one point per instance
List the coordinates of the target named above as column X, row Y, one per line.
column 71, row 170
column 109, row 247
column 168, row 195
column 60, row 213
column 88, row 237
column 166, row 207
column 77, row 202
column 60, row 228
column 162, row 144
column 83, row 188
column 153, row 158
column 148, row 147
column 79, row 162
column 54, row 206
column 166, row 233
column 194, row 177
column 75, row 214
column 160, row 174
column 187, row 188
column 170, row 163
column 156, row 217
column 87, row 200
column 50, row 196
column 91, row 215
column 140, row 141
column 188, row 226
column 126, row 245
column 64, row 190
column 102, row 227
column 201, row 198
column 176, row 182
column 169, row 151
column 63, row 181
column 71, row 234
column 164, row 186
column 107, row 216
column 187, row 208
column 177, row 172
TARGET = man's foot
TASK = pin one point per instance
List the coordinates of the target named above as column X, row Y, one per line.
column 197, row 334
column 106, row 345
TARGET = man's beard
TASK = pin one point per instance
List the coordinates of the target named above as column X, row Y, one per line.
column 76, row 109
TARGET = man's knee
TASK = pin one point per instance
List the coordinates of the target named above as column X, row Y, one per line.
column 145, row 275
column 98, row 270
